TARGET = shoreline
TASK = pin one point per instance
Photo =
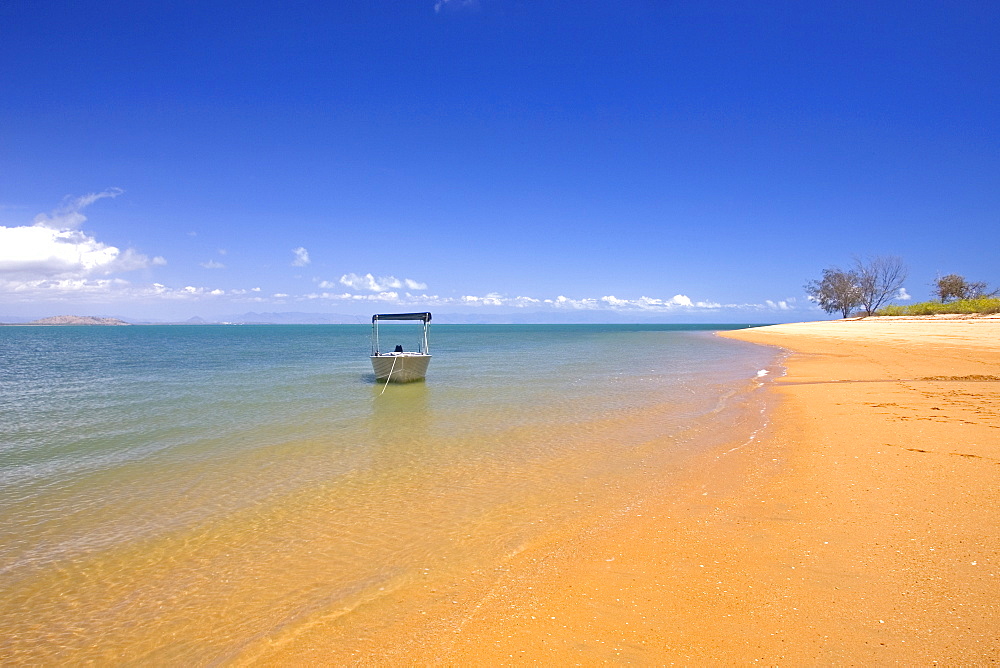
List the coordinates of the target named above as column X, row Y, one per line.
column 844, row 512
column 892, row 434
column 860, row 526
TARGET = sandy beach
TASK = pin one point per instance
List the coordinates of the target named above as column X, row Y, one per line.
column 860, row 527
column 839, row 510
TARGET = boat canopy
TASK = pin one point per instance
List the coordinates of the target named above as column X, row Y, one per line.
column 425, row 316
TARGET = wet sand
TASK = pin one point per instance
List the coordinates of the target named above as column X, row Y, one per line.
column 861, row 526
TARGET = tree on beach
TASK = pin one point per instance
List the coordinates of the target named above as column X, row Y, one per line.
column 838, row 290
column 954, row 287
column 870, row 284
column 879, row 279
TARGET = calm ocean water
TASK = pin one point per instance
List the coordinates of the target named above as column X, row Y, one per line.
column 206, row 494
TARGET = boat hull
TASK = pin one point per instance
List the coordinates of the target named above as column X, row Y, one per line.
column 400, row 368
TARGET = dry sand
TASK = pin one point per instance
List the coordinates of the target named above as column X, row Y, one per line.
column 860, row 528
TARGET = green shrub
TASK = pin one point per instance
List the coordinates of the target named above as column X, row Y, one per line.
column 977, row 305
column 981, row 305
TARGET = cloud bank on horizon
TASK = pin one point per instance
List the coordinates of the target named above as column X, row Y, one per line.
column 53, row 262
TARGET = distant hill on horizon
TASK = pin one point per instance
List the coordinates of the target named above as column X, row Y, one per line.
column 77, row 320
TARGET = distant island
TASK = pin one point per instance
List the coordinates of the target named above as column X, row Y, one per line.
column 77, row 320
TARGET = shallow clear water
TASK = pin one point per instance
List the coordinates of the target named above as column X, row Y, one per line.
column 200, row 494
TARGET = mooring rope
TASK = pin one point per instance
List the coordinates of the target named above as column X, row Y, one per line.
column 394, row 358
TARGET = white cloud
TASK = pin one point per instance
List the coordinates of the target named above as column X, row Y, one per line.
column 69, row 216
column 110, row 290
column 212, row 264
column 414, row 285
column 390, row 297
column 237, row 292
column 584, row 304
column 366, row 282
column 904, row 295
column 35, row 289
column 301, row 257
column 46, row 252
column 647, row 304
column 522, row 302
column 492, row 299
column 441, row 4
column 52, row 250
column 373, row 284
column 681, row 300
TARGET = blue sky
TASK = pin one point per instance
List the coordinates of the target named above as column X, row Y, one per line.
column 671, row 160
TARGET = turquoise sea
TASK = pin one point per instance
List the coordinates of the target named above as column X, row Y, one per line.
column 210, row 494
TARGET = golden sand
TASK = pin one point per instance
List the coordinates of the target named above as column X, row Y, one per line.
column 863, row 526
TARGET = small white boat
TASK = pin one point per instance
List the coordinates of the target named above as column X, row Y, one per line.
column 400, row 366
